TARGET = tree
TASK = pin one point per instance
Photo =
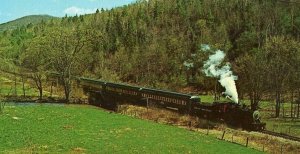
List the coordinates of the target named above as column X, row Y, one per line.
column 281, row 55
column 252, row 72
column 34, row 60
column 67, row 55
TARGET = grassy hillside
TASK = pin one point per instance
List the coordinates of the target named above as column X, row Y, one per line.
column 77, row 129
column 24, row 21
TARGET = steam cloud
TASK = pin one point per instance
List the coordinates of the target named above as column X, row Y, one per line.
column 212, row 68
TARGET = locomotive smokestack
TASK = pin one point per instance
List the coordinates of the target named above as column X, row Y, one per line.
column 213, row 68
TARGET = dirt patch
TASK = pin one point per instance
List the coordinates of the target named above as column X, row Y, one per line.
column 78, row 150
column 164, row 116
column 68, row 127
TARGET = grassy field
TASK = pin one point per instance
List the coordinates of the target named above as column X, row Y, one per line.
column 68, row 129
column 7, row 87
column 282, row 124
column 285, row 125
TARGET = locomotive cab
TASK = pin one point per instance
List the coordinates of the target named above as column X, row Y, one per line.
column 257, row 124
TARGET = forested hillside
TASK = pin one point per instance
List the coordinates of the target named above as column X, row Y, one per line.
column 147, row 43
column 25, row 21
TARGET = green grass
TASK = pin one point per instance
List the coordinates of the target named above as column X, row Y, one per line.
column 210, row 98
column 282, row 124
column 65, row 129
column 287, row 126
column 7, row 87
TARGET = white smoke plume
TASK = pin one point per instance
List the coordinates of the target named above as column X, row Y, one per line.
column 212, row 67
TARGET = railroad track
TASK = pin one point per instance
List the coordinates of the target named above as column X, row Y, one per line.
column 282, row 135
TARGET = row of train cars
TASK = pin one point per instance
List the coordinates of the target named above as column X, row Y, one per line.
column 108, row 95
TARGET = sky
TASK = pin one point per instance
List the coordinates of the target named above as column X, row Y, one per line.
column 13, row 9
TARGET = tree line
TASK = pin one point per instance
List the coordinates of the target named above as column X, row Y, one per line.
column 148, row 42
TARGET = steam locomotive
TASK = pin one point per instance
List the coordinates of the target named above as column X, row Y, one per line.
column 109, row 95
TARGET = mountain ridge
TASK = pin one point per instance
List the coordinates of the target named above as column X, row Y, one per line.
column 24, row 21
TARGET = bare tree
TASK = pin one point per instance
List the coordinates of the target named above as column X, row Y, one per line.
column 34, row 60
column 281, row 55
column 67, row 56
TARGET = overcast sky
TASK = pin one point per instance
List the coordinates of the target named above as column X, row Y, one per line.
column 13, row 9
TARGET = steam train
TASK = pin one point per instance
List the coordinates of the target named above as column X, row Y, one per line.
column 109, row 95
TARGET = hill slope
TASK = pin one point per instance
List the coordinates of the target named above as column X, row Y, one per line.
column 78, row 129
column 24, row 21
